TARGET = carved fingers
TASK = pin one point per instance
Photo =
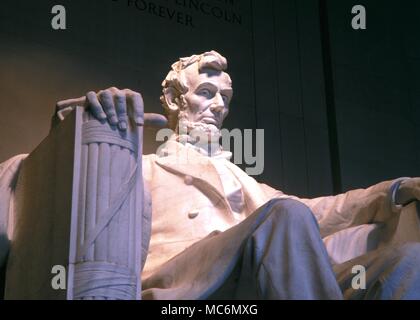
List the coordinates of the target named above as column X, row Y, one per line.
column 115, row 106
column 106, row 100
column 408, row 191
column 155, row 120
column 70, row 103
column 135, row 102
column 120, row 103
column 95, row 106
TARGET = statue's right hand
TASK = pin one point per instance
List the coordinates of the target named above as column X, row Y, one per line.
column 112, row 105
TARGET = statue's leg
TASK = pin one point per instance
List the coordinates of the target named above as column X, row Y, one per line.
column 284, row 258
column 275, row 253
column 392, row 272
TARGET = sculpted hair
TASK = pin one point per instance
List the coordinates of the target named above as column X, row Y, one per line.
column 175, row 84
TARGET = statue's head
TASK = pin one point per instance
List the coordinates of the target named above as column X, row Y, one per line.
column 197, row 93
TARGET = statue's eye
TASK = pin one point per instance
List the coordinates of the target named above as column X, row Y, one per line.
column 225, row 98
column 205, row 93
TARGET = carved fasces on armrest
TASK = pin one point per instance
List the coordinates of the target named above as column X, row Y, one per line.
column 79, row 204
column 106, row 257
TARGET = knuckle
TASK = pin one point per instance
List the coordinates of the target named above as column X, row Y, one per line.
column 90, row 94
column 127, row 92
column 119, row 97
column 136, row 95
column 133, row 94
column 105, row 94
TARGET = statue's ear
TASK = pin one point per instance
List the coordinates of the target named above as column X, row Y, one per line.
column 172, row 98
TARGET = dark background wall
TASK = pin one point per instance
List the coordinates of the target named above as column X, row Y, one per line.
column 339, row 106
column 376, row 91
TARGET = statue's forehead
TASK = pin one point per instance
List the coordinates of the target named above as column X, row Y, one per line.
column 194, row 77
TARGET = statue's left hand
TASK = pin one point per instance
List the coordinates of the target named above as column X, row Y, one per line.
column 408, row 191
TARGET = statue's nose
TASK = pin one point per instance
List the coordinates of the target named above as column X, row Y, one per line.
column 217, row 108
column 218, row 103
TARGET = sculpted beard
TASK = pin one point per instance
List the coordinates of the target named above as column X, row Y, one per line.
column 197, row 132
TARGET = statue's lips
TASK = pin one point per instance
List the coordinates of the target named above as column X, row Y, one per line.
column 209, row 120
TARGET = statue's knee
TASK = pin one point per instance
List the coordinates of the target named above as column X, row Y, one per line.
column 292, row 210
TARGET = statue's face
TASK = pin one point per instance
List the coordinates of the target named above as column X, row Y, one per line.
column 208, row 97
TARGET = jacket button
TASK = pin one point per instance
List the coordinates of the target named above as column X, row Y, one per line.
column 193, row 213
column 188, row 180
